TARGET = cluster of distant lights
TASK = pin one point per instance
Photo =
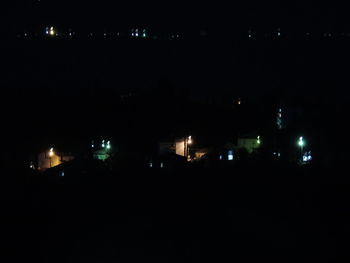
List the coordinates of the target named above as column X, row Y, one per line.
column 104, row 144
column 134, row 33
column 137, row 33
column 307, row 157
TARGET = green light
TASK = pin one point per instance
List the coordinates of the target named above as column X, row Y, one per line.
column 301, row 142
column 258, row 140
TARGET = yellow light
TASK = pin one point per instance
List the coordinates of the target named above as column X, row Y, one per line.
column 51, row 152
column 52, row 31
column 189, row 140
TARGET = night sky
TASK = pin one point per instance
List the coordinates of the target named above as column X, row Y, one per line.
column 234, row 66
column 182, row 14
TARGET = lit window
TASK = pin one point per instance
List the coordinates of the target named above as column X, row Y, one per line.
column 310, row 156
column 230, row 155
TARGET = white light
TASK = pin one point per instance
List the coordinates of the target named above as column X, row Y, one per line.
column 51, row 152
column 309, row 158
column 161, row 165
column 103, row 143
column 220, row 157
column 230, row 155
column 150, row 164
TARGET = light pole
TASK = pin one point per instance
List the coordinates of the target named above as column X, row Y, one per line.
column 51, row 154
column 301, row 143
column 188, row 142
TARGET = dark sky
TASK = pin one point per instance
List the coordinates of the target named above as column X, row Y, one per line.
column 178, row 13
column 237, row 67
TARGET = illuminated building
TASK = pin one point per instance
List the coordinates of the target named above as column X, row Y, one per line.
column 51, row 158
column 249, row 142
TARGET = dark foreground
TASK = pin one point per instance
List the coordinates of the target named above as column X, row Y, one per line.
column 279, row 215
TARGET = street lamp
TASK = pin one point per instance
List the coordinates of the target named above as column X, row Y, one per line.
column 51, row 153
column 187, row 142
column 258, row 141
column 52, row 31
column 301, row 143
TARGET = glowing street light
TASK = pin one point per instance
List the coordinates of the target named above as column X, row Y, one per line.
column 103, row 143
column 108, row 145
column 301, row 143
column 189, row 141
column 52, row 31
column 51, row 153
column 258, row 141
